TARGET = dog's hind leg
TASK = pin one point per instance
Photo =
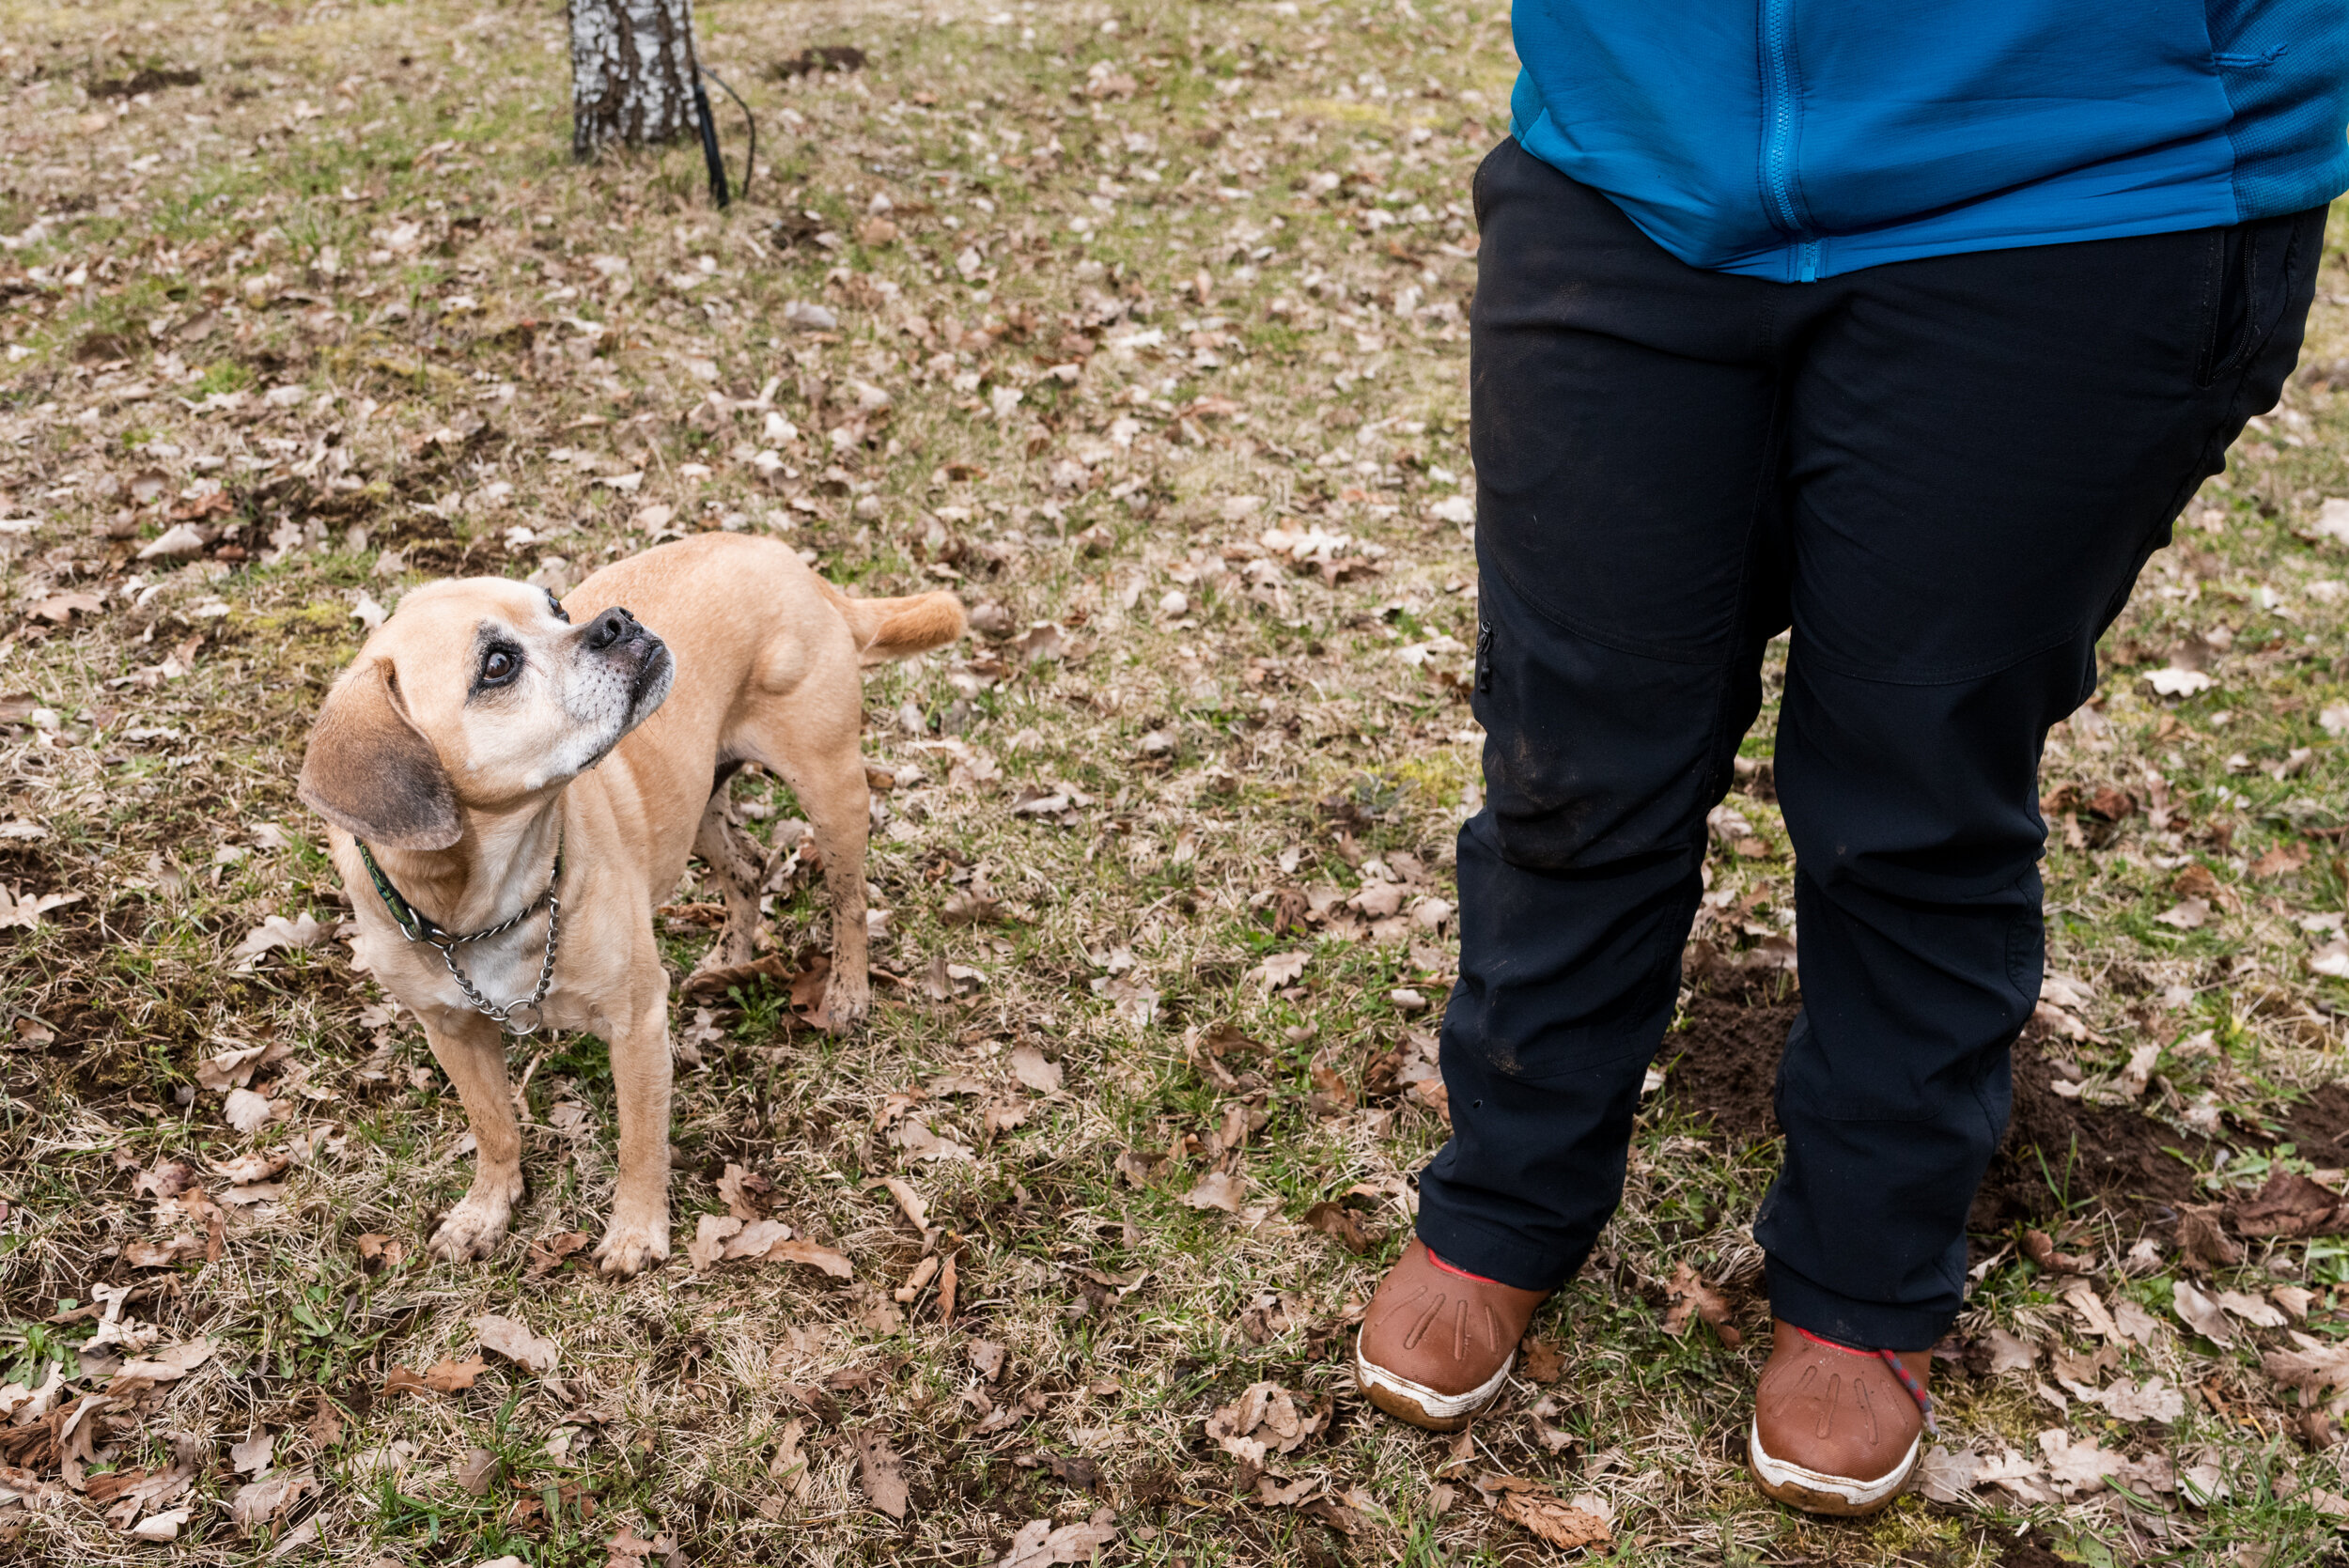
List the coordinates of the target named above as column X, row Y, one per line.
column 471, row 1052
column 737, row 865
column 815, row 749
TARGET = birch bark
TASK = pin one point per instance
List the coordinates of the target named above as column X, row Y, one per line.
column 631, row 73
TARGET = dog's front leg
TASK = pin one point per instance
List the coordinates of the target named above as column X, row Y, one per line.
column 473, row 1053
column 639, row 1232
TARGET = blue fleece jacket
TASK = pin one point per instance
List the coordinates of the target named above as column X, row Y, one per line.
column 1794, row 140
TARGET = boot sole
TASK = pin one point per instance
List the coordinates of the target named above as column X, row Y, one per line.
column 1418, row 1404
column 1837, row 1497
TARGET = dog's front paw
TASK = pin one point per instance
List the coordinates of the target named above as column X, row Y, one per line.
column 847, row 1000
column 474, row 1227
column 632, row 1244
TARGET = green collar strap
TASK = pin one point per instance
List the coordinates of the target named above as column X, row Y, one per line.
column 419, row 927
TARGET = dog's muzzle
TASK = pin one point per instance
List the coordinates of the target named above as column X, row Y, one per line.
column 617, row 635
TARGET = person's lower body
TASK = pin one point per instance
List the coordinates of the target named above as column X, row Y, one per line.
column 1944, row 476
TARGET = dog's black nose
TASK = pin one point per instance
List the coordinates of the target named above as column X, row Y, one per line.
column 614, row 626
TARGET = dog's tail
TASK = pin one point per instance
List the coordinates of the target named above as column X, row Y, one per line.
column 887, row 628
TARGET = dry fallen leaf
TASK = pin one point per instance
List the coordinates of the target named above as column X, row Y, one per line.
column 2284, row 858
column 2016, row 1474
column 2082, row 1298
column 629, row 1550
column 808, row 1252
column 2312, row 1369
column 252, row 1456
column 246, row 1111
column 26, row 910
column 262, row 1503
column 711, row 1233
column 477, row 1471
column 1540, row 1360
column 2289, row 1205
column 881, row 1472
column 745, row 1193
column 2201, row 1242
column 548, row 1253
column 1279, row 969
column 2251, row 1308
column 449, row 1377
column 2040, row 1248
column 276, row 931
column 2189, row 914
column 516, row 1342
column 1544, row 1514
column 1946, row 1475
column 164, row 1526
column 161, row 1254
column 790, row 1466
column 1038, row 1544
column 2149, row 1400
column 326, row 1425
column 163, row 1366
column 2133, row 1321
column 2201, row 1313
column 1265, row 1419
column 1030, row 1067
column 1342, row 1225
column 2009, row 1352
column 1691, row 1297
column 753, row 1239
column 909, row 1202
column 1217, row 1190
column 2077, row 1463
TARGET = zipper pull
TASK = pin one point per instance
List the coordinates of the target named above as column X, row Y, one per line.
column 1484, row 656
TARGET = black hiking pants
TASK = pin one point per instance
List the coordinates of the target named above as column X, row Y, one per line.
column 1944, row 475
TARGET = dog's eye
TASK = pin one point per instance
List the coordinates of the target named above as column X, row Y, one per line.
column 554, row 608
column 500, row 665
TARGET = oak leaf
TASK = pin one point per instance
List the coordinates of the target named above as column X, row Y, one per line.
column 1039, row 1544
column 1217, row 1190
column 1030, row 1067
column 1691, row 1297
column 2289, row 1205
column 1540, row 1360
column 449, row 1377
column 880, row 1473
column 1544, row 1514
column 1341, row 1224
column 516, row 1342
column 711, row 1233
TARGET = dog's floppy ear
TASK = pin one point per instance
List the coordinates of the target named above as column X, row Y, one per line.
column 371, row 772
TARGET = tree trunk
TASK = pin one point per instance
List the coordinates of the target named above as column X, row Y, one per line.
column 631, row 73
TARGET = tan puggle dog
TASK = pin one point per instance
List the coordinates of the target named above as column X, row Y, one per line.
column 491, row 747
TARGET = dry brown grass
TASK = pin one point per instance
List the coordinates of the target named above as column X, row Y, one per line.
column 1218, row 758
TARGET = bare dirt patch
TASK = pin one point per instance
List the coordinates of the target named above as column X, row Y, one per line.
column 1720, row 1066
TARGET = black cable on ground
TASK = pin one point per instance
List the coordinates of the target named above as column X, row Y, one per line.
column 709, row 148
column 749, row 159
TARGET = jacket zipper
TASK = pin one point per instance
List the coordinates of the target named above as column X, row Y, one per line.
column 1778, row 137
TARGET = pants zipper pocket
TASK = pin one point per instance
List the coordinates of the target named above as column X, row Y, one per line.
column 1485, row 655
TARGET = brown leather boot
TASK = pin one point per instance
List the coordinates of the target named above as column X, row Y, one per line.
column 1835, row 1430
column 1437, row 1344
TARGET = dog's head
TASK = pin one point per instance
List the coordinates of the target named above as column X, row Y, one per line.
column 476, row 695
